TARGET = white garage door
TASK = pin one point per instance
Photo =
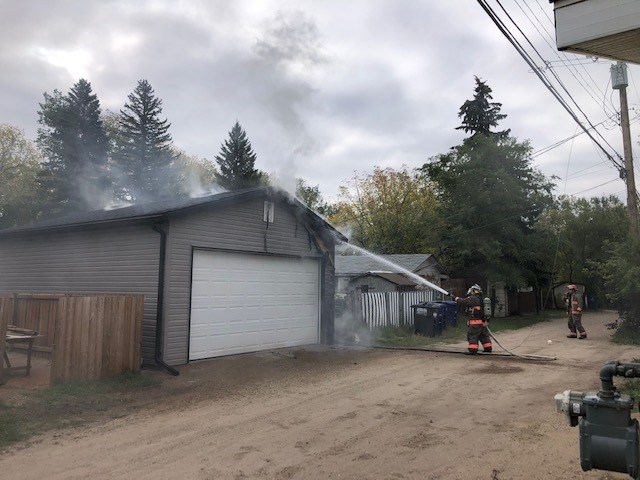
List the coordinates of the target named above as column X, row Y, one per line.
column 245, row 303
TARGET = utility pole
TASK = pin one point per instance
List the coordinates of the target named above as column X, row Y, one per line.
column 619, row 81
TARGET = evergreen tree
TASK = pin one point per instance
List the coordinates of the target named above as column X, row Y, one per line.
column 490, row 199
column 236, row 162
column 75, row 146
column 479, row 115
column 144, row 159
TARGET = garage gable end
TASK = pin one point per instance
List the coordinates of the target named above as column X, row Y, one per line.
column 284, row 251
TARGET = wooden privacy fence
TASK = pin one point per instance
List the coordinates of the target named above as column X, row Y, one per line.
column 381, row 309
column 88, row 336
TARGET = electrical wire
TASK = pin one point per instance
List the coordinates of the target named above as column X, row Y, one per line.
column 559, row 143
column 577, row 59
column 573, row 71
column 593, row 188
column 505, row 31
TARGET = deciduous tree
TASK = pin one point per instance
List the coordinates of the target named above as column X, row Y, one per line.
column 312, row 198
column 582, row 231
column 388, row 211
column 20, row 163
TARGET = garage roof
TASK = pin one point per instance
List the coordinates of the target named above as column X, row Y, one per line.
column 163, row 208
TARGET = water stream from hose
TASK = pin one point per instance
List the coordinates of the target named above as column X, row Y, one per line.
column 416, row 278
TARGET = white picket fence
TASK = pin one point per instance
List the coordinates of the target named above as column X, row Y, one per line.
column 381, row 309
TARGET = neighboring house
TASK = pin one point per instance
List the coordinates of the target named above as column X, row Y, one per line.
column 381, row 282
column 228, row 273
column 366, row 274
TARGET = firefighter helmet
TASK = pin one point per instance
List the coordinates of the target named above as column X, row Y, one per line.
column 474, row 290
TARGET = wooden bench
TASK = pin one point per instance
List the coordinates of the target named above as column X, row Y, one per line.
column 17, row 335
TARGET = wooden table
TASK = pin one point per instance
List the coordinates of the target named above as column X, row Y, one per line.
column 16, row 337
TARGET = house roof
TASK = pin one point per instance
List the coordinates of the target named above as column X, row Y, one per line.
column 350, row 265
column 163, row 208
column 394, row 278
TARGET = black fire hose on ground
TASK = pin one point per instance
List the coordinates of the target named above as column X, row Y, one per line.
column 538, row 358
column 541, row 358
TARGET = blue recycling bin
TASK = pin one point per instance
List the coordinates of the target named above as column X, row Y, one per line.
column 451, row 313
column 429, row 318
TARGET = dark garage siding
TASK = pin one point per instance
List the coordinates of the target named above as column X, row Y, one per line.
column 106, row 258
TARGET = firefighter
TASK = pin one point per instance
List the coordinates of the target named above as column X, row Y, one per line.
column 573, row 301
column 477, row 330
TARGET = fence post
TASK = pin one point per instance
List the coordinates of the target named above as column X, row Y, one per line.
column 387, row 301
column 402, row 320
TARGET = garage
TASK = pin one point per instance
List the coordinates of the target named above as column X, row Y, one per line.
column 245, row 303
column 222, row 274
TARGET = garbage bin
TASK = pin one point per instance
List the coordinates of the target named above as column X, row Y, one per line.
column 451, row 313
column 428, row 318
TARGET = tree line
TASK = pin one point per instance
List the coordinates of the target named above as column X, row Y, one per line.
column 86, row 159
column 481, row 207
column 486, row 212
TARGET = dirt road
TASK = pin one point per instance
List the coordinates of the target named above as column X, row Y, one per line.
column 345, row 414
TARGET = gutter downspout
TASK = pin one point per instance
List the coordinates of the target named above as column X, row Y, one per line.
column 159, row 307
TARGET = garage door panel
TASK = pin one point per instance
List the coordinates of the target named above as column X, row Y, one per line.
column 243, row 303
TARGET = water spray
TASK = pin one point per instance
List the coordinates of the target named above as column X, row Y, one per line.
column 424, row 282
column 418, row 279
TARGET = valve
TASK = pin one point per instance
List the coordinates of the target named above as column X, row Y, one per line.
column 609, row 437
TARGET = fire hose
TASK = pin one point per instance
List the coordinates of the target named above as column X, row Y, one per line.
column 538, row 358
column 542, row 358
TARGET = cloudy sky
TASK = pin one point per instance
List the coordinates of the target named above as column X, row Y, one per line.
column 323, row 88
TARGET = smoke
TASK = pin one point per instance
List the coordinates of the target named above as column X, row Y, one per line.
column 184, row 177
column 291, row 39
column 349, row 330
column 290, row 47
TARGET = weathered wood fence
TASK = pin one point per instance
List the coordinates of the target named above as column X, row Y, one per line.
column 88, row 336
column 381, row 309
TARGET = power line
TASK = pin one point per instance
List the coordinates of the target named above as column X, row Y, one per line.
column 590, row 91
column 593, row 188
column 575, row 57
column 548, row 148
column 505, row 31
column 540, row 74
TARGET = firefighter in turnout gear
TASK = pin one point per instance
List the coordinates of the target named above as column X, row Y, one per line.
column 573, row 302
column 477, row 324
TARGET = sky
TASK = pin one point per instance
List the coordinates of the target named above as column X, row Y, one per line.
column 324, row 89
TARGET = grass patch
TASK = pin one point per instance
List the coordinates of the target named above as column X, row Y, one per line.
column 626, row 334
column 9, row 424
column 631, row 386
column 70, row 405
